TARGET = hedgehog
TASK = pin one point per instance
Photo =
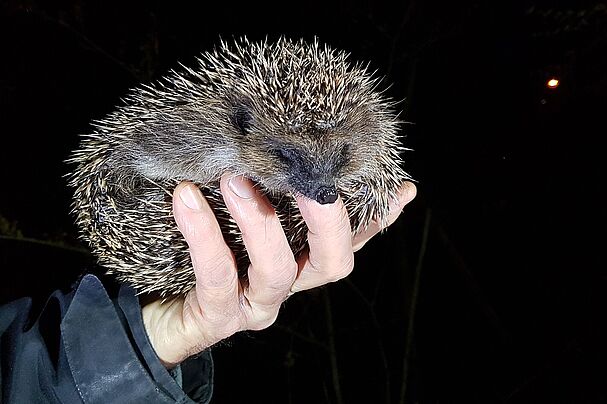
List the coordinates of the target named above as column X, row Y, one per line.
column 295, row 117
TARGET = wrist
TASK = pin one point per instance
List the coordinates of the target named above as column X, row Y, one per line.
column 161, row 321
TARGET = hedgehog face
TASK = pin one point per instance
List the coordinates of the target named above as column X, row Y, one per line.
column 313, row 177
column 302, row 118
column 308, row 157
column 297, row 118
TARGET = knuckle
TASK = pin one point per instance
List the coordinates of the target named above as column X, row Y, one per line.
column 231, row 326
column 217, row 271
column 274, row 294
column 277, row 270
column 221, row 325
column 342, row 269
column 267, row 299
column 288, row 267
column 264, row 320
column 219, row 316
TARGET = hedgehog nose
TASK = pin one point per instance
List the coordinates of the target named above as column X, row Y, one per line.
column 326, row 195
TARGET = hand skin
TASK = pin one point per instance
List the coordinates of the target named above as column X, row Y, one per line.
column 220, row 305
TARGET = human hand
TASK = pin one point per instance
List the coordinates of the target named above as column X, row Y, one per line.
column 220, row 304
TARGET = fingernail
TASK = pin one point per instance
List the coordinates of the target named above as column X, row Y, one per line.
column 241, row 187
column 190, row 195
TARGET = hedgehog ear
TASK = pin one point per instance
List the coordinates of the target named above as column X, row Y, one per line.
column 242, row 117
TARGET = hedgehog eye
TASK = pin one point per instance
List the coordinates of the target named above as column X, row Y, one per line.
column 343, row 157
column 242, row 118
column 344, row 154
column 345, row 151
column 285, row 155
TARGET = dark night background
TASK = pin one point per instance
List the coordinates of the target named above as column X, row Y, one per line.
column 507, row 305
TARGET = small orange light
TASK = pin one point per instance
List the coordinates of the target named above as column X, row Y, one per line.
column 553, row 83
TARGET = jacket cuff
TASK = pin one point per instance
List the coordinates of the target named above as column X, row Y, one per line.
column 114, row 358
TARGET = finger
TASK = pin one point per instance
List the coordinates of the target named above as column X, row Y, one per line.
column 273, row 267
column 216, row 275
column 330, row 256
column 405, row 194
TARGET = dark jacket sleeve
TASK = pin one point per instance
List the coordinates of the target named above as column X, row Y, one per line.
column 86, row 347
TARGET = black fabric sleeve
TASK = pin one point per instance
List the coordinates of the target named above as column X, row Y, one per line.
column 86, row 347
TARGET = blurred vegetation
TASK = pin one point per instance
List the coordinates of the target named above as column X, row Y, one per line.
column 9, row 228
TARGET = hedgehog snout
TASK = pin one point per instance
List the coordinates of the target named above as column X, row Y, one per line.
column 326, row 195
column 322, row 191
column 311, row 180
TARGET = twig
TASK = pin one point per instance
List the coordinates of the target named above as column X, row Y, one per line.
column 380, row 346
column 475, row 289
column 302, row 337
column 413, row 306
column 332, row 349
column 397, row 35
column 46, row 243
